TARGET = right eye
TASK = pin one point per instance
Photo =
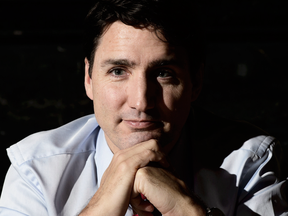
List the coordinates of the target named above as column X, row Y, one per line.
column 117, row 72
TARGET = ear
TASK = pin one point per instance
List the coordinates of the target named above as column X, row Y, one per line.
column 197, row 83
column 88, row 80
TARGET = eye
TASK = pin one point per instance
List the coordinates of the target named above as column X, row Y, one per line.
column 117, row 72
column 164, row 73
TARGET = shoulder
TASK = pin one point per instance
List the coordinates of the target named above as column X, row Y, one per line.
column 68, row 139
column 49, row 166
column 259, row 145
column 216, row 137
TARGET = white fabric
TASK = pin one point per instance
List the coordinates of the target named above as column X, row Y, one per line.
column 58, row 171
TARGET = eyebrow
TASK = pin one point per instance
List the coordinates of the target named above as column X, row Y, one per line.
column 164, row 62
column 118, row 62
column 153, row 64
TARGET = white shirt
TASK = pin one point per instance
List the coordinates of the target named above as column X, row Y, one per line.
column 57, row 172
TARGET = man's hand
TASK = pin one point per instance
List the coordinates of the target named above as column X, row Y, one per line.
column 113, row 195
column 167, row 193
column 130, row 174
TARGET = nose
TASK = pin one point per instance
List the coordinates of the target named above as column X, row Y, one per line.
column 141, row 93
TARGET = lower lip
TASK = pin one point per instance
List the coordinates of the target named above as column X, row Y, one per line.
column 142, row 124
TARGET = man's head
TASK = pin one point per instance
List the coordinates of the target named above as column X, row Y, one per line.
column 175, row 20
column 139, row 76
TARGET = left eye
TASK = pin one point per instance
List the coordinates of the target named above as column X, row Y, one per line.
column 164, row 73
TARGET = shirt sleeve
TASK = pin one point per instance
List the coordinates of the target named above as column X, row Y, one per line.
column 19, row 197
column 248, row 182
column 261, row 189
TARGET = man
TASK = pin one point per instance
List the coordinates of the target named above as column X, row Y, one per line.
column 150, row 150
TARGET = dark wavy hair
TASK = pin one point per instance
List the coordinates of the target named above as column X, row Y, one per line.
column 174, row 19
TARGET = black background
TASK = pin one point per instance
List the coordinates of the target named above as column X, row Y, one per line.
column 42, row 67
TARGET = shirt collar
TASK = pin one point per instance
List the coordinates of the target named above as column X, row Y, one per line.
column 103, row 156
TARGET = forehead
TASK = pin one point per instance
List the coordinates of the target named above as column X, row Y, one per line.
column 138, row 45
column 118, row 34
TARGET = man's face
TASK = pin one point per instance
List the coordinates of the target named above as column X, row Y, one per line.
column 140, row 87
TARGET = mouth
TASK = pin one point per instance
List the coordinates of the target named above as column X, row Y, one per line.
column 143, row 124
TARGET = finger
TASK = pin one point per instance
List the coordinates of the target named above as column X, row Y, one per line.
column 149, row 156
column 128, row 161
column 136, row 158
column 137, row 149
column 143, row 214
column 141, row 204
column 162, row 189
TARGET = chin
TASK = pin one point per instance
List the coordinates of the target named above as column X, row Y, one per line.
column 138, row 138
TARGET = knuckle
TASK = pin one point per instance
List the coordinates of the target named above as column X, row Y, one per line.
column 152, row 155
column 152, row 144
column 123, row 166
column 182, row 184
column 119, row 156
column 147, row 153
column 155, row 145
column 143, row 172
column 160, row 156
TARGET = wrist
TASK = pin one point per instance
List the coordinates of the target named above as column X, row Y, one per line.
column 186, row 206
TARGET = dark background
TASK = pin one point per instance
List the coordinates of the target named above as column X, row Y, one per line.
column 42, row 68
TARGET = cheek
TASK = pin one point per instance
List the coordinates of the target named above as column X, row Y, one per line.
column 108, row 97
column 177, row 99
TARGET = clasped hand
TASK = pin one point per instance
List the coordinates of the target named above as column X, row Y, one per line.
column 129, row 175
